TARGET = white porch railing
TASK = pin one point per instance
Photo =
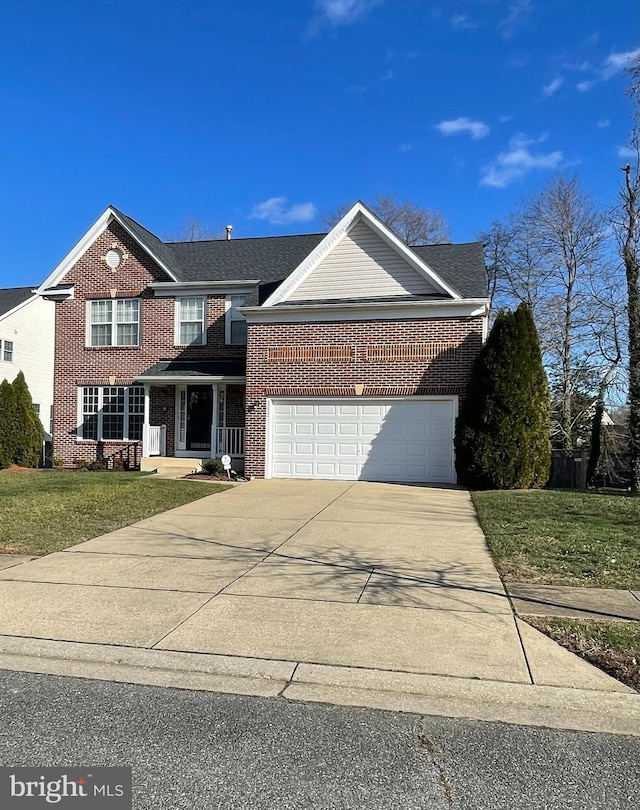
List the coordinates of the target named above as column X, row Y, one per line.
column 230, row 441
column 156, row 440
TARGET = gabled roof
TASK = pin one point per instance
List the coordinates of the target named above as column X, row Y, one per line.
column 359, row 213
column 12, row 297
column 456, row 269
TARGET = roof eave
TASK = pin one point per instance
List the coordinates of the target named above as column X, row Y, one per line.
column 79, row 249
column 181, row 379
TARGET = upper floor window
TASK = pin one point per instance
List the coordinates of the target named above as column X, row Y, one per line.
column 235, row 322
column 7, row 350
column 190, row 321
column 114, row 322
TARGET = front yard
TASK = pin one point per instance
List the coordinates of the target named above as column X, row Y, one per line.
column 563, row 537
column 583, row 539
column 47, row 511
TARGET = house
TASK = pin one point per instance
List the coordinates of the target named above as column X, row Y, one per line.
column 331, row 355
column 26, row 344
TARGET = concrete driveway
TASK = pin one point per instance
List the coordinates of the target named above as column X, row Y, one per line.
column 372, row 576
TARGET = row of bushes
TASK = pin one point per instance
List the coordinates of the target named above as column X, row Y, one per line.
column 21, row 432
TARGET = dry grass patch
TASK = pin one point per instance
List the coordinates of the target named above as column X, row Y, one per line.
column 611, row 646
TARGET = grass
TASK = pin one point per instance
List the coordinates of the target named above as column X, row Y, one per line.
column 42, row 512
column 612, row 646
column 563, row 537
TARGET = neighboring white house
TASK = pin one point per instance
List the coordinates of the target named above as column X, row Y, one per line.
column 27, row 336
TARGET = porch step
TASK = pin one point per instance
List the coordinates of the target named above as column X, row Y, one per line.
column 166, row 465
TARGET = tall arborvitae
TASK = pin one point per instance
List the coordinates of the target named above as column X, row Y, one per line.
column 502, row 432
column 30, row 435
column 8, row 424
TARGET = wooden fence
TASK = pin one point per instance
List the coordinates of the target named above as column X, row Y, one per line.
column 568, row 469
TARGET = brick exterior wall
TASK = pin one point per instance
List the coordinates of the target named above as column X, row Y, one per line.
column 77, row 365
column 374, row 358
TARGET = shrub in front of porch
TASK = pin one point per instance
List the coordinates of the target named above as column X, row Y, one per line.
column 212, row 466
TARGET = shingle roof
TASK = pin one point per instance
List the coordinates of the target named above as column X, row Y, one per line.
column 271, row 259
column 12, row 296
column 462, row 266
column 196, row 368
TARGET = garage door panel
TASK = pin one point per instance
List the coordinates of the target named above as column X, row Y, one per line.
column 386, row 440
column 303, row 428
column 326, row 429
column 348, row 429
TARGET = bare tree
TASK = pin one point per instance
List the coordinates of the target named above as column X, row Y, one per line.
column 497, row 243
column 628, row 228
column 412, row 223
column 548, row 254
column 606, row 323
column 194, row 230
column 568, row 231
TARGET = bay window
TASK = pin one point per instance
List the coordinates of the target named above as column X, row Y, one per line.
column 111, row 413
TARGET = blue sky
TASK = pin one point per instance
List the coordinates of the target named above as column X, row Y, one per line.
column 267, row 113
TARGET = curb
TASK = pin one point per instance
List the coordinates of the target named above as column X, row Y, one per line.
column 497, row 701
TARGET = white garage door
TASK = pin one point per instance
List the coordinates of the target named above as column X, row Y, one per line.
column 408, row 440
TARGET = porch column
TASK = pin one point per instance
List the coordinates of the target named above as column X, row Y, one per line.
column 145, row 424
column 214, row 422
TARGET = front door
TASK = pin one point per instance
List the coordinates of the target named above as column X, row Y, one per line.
column 199, row 406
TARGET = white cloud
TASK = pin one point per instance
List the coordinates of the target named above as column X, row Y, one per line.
column 616, row 62
column 518, row 10
column 612, row 65
column 477, row 129
column 388, row 76
column 517, row 161
column 584, row 87
column 603, row 122
column 504, row 118
column 552, row 87
column 276, row 212
column 405, row 147
column 344, row 12
column 626, row 152
column 459, row 21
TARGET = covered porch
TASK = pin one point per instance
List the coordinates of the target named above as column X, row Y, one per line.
column 194, row 410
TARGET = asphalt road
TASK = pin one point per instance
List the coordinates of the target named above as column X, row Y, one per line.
column 203, row 751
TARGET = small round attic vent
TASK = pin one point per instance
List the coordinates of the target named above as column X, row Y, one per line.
column 113, row 258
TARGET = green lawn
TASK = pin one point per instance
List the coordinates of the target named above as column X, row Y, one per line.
column 563, row 537
column 42, row 512
column 612, row 646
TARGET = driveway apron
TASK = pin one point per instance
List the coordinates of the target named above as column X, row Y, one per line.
column 358, row 574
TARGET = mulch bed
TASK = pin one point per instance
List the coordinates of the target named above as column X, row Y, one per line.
column 216, row 478
column 14, row 468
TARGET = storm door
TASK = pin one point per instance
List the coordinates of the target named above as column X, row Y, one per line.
column 199, row 412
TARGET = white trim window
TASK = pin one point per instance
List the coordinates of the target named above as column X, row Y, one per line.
column 7, row 350
column 112, row 413
column 235, row 323
column 113, row 322
column 190, row 321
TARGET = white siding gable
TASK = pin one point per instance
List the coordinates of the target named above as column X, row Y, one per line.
column 362, row 265
column 31, row 328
